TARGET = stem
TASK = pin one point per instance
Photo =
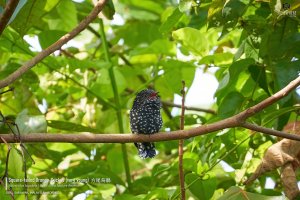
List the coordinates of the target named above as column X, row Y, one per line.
column 117, row 101
column 180, row 145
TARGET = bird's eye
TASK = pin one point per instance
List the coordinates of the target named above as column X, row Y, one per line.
column 154, row 94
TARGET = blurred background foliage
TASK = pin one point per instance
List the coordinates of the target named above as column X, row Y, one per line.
column 251, row 47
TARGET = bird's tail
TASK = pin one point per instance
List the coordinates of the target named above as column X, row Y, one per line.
column 146, row 149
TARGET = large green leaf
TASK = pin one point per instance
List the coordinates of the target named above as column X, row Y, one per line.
column 171, row 21
column 15, row 164
column 30, row 15
column 31, row 123
column 230, row 105
column 49, row 37
column 65, row 16
column 258, row 74
column 201, row 188
column 193, row 39
column 172, row 84
column 136, row 33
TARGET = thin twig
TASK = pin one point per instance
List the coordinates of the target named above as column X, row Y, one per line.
column 5, row 176
column 25, row 172
column 9, row 90
column 169, row 104
column 180, row 145
column 8, row 12
column 55, row 46
column 17, row 137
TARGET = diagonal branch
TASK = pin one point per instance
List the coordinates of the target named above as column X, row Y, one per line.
column 269, row 101
column 8, row 12
column 55, row 46
column 234, row 121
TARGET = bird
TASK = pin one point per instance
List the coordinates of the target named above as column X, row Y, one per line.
column 145, row 118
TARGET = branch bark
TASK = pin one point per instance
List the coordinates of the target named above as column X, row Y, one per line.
column 55, row 46
column 8, row 12
column 234, row 121
column 180, row 145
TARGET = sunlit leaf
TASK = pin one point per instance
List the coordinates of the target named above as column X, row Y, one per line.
column 192, row 39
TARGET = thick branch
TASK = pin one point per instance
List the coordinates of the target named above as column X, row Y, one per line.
column 234, row 121
column 129, row 138
column 269, row 101
column 55, row 46
column 120, row 138
column 8, row 12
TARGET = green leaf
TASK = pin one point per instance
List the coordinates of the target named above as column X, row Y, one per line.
column 49, row 37
column 68, row 16
column 69, row 126
column 285, row 71
column 185, row 5
column 4, row 194
column 109, row 10
column 102, row 85
column 135, row 33
column 11, row 42
column 217, row 59
column 31, row 123
column 94, row 169
column 236, row 193
column 214, row 15
column 230, row 105
column 258, row 74
column 29, row 16
column 17, row 10
column 151, row 6
column 157, row 47
column 201, row 189
column 193, row 39
column 232, row 81
column 172, row 84
column 116, row 165
column 233, row 9
column 272, row 115
column 171, row 21
column 15, row 164
column 128, row 196
column 51, row 4
column 157, row 193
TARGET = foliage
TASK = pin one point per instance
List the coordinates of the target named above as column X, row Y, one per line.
column 252, row 45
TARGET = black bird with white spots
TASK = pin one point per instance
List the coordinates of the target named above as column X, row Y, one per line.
column 145, row 118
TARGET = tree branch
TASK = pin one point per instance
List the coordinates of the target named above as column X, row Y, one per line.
column 180, row 145
column 8, row 12
column 234, row 121
column 270, row 131
column 55, row 46
column 269, row 101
